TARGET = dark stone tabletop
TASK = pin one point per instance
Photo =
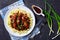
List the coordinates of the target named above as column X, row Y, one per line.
column 4, row 35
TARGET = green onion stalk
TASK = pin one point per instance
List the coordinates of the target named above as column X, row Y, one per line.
column 49, row 21
column 56, row 17
column 58, row 20
column 48, row 17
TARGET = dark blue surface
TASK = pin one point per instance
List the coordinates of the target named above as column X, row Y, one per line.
column 44, row 31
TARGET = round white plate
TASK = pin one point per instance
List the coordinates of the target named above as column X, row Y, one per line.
column 6, row 18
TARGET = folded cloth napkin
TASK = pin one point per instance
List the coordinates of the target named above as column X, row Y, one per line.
column 32, row 34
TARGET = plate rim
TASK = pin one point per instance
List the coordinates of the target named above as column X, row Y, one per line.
column 8, row 13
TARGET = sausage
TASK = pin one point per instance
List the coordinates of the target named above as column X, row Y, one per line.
column 26, row 24
column 14, row 25
column 17, row 18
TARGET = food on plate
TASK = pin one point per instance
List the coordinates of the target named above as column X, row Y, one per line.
column 19, row 20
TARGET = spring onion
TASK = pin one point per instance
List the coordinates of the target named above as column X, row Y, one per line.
column 57, row 18
column 49, row 21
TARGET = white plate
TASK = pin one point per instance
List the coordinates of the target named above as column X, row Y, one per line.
column 6, row 18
